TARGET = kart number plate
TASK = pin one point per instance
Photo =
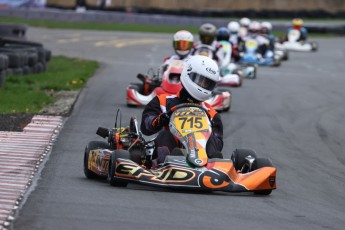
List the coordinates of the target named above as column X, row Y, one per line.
column 188, row 121
column 251, row 44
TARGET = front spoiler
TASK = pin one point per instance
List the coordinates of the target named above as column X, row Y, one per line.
column 218, row 175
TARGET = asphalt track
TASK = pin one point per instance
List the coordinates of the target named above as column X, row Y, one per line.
column 293, row 114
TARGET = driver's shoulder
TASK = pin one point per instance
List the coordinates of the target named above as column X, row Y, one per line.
column 210, row 110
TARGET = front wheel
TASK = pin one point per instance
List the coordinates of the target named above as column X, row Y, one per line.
column 314, row 46
column 238, row 157
column 113, row 181
column 92, row 146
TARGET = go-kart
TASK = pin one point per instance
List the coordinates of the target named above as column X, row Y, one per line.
column 185, row 168
column 231, row 74
column 142, row 93
column 292, row 43
column 250, row 55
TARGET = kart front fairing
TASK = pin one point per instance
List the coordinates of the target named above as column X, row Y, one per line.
column 217, row 175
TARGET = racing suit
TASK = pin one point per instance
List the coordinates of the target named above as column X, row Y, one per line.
column 165, row 142
column 304, row 34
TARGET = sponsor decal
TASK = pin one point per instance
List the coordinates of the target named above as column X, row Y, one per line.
column 98, row 161
column 191, row 142
column 215, row 180
column 167, row 175
column 189, row 68
column 210, row 70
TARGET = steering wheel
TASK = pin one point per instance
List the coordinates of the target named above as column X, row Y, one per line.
column 172, row 109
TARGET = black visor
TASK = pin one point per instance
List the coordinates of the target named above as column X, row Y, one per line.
column 202, row 81
column 174, row 78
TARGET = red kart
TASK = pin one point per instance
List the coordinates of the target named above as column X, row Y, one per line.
column 142, row 93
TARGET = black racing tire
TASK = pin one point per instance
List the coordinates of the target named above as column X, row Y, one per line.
column 286, row 55
column 9, row 72
column 111, row 179
column 33, row 59
column 27, row 70
column 276, row 62
column 136, row 155
column 314, row 46
column 3, row 62
column 38, row 68
column 2, row 76
column 48, row 55
column 238, row 157
column 92, row 145
column 41, row 53
column 15, row 59
column 18, row 71
column 260, row 163
column 255, row 72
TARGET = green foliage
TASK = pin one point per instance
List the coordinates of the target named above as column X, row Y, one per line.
column 30, row 93
column 100, row 26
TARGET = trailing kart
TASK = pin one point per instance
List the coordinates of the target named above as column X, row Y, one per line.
column 253, row 57
column 188, row 167
column 231, row 74
column 292, row 43
column 142, row 93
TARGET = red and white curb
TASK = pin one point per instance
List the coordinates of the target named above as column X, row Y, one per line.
column 21, row 154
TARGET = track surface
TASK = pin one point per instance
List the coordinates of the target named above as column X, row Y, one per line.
column 293, row 114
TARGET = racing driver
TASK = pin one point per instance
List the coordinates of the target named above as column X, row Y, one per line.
column 199, row 77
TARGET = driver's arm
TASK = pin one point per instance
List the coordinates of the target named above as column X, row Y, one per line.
column 152, row 110
column 217, row 133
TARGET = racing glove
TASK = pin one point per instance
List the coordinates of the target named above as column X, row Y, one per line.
column 161, row 120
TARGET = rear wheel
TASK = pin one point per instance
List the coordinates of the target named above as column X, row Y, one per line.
column 238, row 157
column 260, row 163
column 92, row 146
column 286, row 55
column 314, row 46
column 135, row 155
column 115, row 155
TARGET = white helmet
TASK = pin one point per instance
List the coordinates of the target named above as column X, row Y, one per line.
column 254, row 27
column 183, row 42
column 199, row 77
column 245, row 22
column 234, row 27
column 266, row 25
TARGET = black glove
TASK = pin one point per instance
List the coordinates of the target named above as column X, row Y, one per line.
column 161, row 120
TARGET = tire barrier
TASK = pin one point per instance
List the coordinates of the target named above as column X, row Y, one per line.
column 19, row 56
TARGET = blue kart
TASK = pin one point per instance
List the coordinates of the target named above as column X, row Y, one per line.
column 252, row 56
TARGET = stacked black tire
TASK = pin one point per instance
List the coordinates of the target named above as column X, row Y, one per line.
column 19, row 56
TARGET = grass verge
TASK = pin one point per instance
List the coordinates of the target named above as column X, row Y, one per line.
column 30, row 93
column 119, row 27
column 99, row 26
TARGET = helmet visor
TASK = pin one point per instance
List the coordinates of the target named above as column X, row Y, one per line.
column 174, row 78
column 207, row 39
column 182, row 45
column 202, row 81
